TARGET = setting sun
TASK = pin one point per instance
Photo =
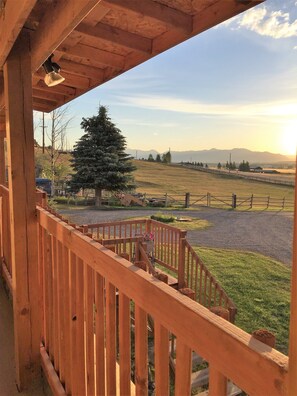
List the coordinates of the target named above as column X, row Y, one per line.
column 289, row 137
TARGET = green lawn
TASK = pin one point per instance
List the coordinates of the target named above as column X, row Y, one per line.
column 258, row 285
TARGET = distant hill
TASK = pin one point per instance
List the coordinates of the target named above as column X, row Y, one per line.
column 213, row 156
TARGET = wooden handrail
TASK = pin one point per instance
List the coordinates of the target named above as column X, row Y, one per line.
column 233, row 352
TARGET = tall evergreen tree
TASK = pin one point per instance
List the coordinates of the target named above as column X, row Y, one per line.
column 99, row 157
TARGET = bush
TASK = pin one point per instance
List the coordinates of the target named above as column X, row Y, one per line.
column 163, row 218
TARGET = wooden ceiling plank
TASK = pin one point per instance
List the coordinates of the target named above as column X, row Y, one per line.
column 94, row 54
column 60, row 89
column 211, row 16
column 154, row 10
column 220, row 12
column 80, row 69
column 44, row 94
column 13, row 17
column 70, row 81
column 117, row 36
column 58, row 22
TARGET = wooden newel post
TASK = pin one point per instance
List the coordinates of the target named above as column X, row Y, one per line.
column 23, row 216
column 181, row 259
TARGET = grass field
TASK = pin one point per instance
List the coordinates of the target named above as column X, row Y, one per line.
column 258, row 285
column 155, row 178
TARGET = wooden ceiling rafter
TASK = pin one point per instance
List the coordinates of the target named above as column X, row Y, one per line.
column 155, row 11
column 93, row 55
column 57, row 23
column 116, row 36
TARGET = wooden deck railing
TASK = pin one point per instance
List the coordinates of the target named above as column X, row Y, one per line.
column 208, row 291
column 170, row 250
column 88, row 295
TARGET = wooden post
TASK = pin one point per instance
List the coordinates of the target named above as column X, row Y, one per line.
column 187, row 200
column 234, row 201
column 181, row 260
column 268, row 201
column 2, row 161
column 292, row 390
column 21, row 175
column 252, row 199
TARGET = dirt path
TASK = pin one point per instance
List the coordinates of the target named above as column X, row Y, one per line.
column 268, row 233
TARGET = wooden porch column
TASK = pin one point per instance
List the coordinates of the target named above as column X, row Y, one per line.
column 293, row 318
column 21, row 177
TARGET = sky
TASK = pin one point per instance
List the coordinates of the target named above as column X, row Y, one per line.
column 232, row 86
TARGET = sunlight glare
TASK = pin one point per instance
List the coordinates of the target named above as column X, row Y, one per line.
column 289, row 137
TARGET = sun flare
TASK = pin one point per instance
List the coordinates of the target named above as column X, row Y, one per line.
column 289, row 137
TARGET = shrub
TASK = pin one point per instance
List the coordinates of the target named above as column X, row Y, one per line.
column 163, row 218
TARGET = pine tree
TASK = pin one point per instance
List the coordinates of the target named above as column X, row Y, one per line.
column 158, row 158
column 150, row 158
column 99, row 157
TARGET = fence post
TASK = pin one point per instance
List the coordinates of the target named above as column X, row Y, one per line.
column 187, row 200
column 208, row 199
column 268, row 201
column 234, row 201
column 166, row 200
column 181, row 259
column 252, row 199
column 284, row 202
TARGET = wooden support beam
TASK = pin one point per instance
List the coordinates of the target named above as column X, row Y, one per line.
column 39, row 83
column 58, row 22
column 20, row 145
column 156, row 11
column 94, row 55
column 116, row 36
column 43, row 94
column 13, row 17
column 292, row 389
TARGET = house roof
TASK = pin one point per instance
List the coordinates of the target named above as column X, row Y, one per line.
column 94, row 41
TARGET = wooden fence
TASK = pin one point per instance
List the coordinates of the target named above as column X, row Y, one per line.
column 170, row 250
column 90, row 347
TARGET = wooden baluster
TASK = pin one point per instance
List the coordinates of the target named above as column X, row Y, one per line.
column 73, row 320
column 110, row 339
column 124, row 344
column 61, row 312
column 217, row 382
column 100, row 340
column 80, row 385
column 183, row 369
column 141, row 350
column 55, row 303
column 89, row 326
column 67, row 321
column 161, row 359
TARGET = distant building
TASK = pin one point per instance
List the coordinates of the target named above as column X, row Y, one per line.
column 257, row 169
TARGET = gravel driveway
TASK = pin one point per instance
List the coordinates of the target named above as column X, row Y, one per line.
column 268, row 233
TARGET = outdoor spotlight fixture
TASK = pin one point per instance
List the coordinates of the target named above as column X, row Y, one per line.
column 52, row 70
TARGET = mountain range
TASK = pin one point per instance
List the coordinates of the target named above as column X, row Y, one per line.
column 214, row 156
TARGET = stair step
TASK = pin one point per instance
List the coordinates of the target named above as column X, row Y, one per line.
column 232, row 390
column 200, row 378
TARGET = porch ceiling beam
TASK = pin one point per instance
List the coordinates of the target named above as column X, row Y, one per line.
column 116, row 36
column 93, row 55
column 58, row 22
column 13, row 17
column 38, row 82
column 156, row 11
column 45, row 94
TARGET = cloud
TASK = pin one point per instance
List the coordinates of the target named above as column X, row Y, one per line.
column 275, row 24
column 166, row 103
